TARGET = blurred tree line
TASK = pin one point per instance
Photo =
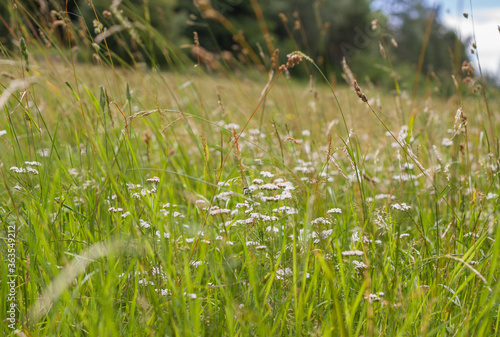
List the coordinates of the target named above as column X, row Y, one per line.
column 242, row 33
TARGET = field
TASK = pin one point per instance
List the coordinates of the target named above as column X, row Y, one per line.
column 141, row 202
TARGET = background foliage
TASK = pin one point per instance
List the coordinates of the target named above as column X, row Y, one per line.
column 246, row 33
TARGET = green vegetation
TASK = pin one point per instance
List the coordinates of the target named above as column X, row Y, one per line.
column 245, row 33
column 236, row 200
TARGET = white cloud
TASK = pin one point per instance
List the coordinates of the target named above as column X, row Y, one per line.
column 486, row 22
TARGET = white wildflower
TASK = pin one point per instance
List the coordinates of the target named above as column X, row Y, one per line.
column 215, row 210
column 491, row 196
column 447, row 142
column 224, row 196
column 144, row 224
column 44, row 152
column 272, row 229
column 321, row 220
column 31, row 170
column 334, row 210
column 231, row 126
column 177, row 215
column 373, row 298
column 155, row 180
column 257, row 181
column 359, row 265
column 191, row 296
column 163, row 292
column 269, row 187
column 266, row 174
column 384, row 196
column 166, row 235
column 401, row 207
column 268, row 199
column 200, row 202
column 326, row 233
column 355, row 237
column 281, row 273
column 286, row 185
column 352, row 253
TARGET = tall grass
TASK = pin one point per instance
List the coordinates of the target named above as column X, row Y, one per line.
column 240, row 203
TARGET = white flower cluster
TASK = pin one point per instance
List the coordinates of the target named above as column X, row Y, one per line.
column 352, row 253
column 359, row 266
column 282, row 273
column 216, row 210
column 334, row 210
column 27, row 169
column 375, row 297
column 321, row 220
column 286, row 209
column 266, row 174
column 155, row 180
column 401, row 207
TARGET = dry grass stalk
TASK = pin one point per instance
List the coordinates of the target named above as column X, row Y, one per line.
column 359, row 92
column 347, row 75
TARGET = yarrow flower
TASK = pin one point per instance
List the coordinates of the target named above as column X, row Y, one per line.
column 352, row 253
column 153, row 180
column 266, row 174
column 321, row 221
column 144, row 224
column 269, row 187
column 334, row 210
column 491, row 196
column 224, row 196
column 215, row 210
column 401, row 207
column 272, row 229
column 358, row 266
column 325, row 234
column 166, row 235
column 281, row 273
column 447, row 142
column 24, row 170
column 374, row 297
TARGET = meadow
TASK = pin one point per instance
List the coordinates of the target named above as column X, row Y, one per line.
column 241, row 202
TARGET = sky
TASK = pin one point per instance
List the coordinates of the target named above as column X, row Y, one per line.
column 486, row 16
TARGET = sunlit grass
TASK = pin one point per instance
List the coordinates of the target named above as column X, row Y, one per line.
column 137, row 214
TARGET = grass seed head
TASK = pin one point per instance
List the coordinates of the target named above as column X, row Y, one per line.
column 359, row 92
